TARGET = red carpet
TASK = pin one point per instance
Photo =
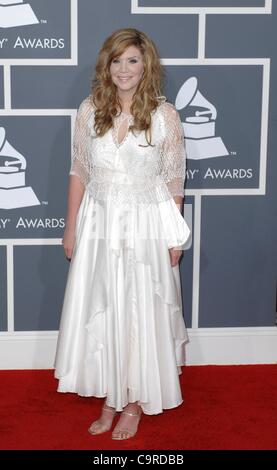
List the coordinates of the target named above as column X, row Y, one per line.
column 225, row 407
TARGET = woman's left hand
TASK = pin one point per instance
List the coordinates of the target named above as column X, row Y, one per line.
column 175, row 256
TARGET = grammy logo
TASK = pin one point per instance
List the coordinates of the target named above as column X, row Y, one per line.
column 13, row 192
column 199, row 129
column 15, row 13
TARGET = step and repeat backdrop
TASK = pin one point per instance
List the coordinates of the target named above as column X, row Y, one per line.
column 219, row 58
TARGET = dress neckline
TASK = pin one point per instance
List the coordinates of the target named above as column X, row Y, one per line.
column 117, row 124
column 122, row 117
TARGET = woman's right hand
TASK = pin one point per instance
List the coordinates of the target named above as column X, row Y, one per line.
column 68, row 241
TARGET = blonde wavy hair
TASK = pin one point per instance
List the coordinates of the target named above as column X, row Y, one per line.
column 104, row 92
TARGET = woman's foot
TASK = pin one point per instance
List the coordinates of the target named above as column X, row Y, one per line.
column 128, row 423
column 104, row 423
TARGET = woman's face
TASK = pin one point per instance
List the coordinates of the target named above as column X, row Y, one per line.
column 126, row 71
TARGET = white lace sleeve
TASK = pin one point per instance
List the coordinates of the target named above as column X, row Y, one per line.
column 172, row 150
column 80, row 161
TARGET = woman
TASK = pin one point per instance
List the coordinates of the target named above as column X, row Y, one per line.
column 122, row 332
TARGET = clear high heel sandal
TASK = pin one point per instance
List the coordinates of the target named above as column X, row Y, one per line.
column 98, row 427
column 125, row 433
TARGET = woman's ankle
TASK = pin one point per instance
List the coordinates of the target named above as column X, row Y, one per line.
column 132, row 407
column 108, row 406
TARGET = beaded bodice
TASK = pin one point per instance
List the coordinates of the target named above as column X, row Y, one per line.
column 130, row 170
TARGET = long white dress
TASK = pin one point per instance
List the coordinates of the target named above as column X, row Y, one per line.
column 122, row 333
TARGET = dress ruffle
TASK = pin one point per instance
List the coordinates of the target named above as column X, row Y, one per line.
column 122, row 332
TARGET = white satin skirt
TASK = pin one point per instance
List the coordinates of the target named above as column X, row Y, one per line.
column 122, row 333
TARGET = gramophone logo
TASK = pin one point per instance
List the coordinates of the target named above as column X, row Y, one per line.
column 16, row 13
column 13, row 192
column 199, row 126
